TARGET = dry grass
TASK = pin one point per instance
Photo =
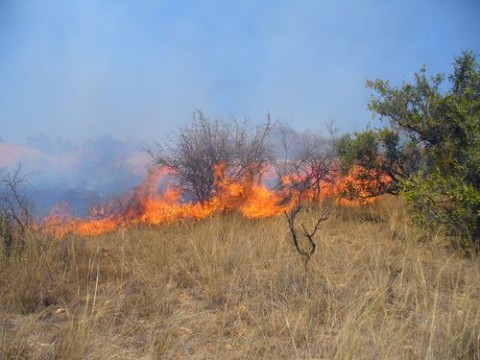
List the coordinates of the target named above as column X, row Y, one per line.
column 230, row 288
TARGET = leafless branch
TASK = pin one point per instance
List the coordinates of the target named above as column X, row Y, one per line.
column 205, row 143
column 15, row 208
column 12, row 196
column 309, row 155
column 308, row 234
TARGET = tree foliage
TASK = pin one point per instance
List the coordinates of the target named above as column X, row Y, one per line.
column 383, row 158
column 430, row 147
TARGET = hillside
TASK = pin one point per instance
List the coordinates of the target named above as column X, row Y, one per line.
column 231, row 288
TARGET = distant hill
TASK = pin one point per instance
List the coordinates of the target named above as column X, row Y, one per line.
column 97, row 169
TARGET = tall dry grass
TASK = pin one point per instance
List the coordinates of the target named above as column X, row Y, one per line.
column 229, row 288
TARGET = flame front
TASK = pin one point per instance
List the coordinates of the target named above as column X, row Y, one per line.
column 246, row 195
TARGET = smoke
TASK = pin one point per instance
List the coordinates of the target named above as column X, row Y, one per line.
column 79, row 69
column 82, row 175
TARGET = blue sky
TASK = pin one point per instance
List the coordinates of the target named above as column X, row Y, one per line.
column 81, row 68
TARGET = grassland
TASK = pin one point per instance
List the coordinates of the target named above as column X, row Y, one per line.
column 231, row 288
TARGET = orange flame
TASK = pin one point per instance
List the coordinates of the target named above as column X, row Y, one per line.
column 246, row 195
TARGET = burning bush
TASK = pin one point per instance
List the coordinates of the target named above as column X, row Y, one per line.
column 306, row 159
column 206, row 143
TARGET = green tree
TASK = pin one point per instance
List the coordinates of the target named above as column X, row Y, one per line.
column 383, row 157
column 430, row 148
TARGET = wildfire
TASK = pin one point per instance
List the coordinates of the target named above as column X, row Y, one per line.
column 246, row 195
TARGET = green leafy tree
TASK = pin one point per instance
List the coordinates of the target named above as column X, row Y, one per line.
column 384, row 160
column 430, row 148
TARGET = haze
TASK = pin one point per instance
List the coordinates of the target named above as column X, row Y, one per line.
column 137, row 69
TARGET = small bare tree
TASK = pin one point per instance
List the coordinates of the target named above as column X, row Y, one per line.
column 206, row 143
column 15, row 208
column 316, row 162
column 308, row 248
column 311, row 156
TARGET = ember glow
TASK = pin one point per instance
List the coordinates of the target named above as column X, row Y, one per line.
column 249, row 196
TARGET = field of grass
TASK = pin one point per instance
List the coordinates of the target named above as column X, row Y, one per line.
column 231, row 288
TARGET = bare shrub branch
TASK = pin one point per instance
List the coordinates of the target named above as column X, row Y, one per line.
column 309, row 155
column 12, row 196
column 307, row 234
column 15, row 207
column 206, row 143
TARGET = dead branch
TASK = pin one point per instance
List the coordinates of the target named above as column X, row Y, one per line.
column 306, row 254
column 309, row 235
column 206, row 143
column 12, row 197
column 15, row 208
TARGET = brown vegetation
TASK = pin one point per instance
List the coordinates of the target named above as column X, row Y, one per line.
column 227, row 288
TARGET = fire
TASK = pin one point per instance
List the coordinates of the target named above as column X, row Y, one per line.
column 247, row 195
column 263, row 203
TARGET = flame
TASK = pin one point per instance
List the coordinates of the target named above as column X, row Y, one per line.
column 245, row 194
